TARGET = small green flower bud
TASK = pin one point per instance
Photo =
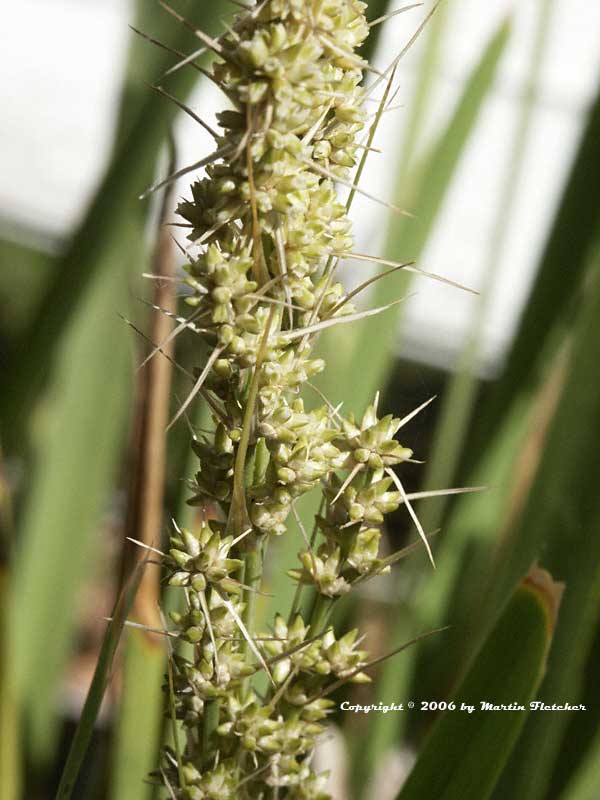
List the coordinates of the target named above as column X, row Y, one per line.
column 191, row 773
column 226, row 334
column 193, row 634
column 223, row 368
column 198, row 582
column 286, row 475
column 179, row 557
column 179, row 579
column 222, row 294
column 361, row 455
column 361, row 677
column 237, row 345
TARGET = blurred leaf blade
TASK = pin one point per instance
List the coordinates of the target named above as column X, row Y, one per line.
column 476, row 519
column 422, row 96
column 584, row 783
column 74, row 474
column 140, row 717
column 465, row 753
column 459, row 398
column 10, row 755
column 114, row 212
column 562, row 509
column 85, row 727
column 134, row 756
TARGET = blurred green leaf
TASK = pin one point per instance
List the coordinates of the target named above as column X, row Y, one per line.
column 421, row 98
column 10, row 755
column 562, row 516
column 459, row 398
column 115, row 213
column 493, row 459
column 466, row 752
column 584, row 783
column 100, row 681
column 75, row 469
column 140, row 717
column 24, row 273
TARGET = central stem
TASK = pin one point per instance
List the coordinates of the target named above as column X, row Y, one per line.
column 253, row 568
column 238, row 513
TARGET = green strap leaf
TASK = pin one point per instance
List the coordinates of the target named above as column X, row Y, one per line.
column 140, row 717
column 74, row 471
column 466, row 752
column 562, row 515
column 102, row 673
column 584, row 783
column 459, row 398
column 75, row 337
column 10, row 750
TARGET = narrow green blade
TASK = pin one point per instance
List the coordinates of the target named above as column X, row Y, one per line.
column 75, row 469
column 466, row 752
column 100, row 681
column 140, row 717
column 459, row 398
column 562, row 516
column 476, row 519
column 584, row 783
column 10, row 750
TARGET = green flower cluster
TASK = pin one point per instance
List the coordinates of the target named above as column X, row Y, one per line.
column 269, row 229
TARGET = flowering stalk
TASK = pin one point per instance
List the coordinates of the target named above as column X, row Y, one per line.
column 268, row 230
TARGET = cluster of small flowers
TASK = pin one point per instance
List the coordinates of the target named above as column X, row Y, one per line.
column 269, row 226
column 263, row 745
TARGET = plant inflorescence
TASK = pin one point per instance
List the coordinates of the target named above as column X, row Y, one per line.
column 268, row 230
